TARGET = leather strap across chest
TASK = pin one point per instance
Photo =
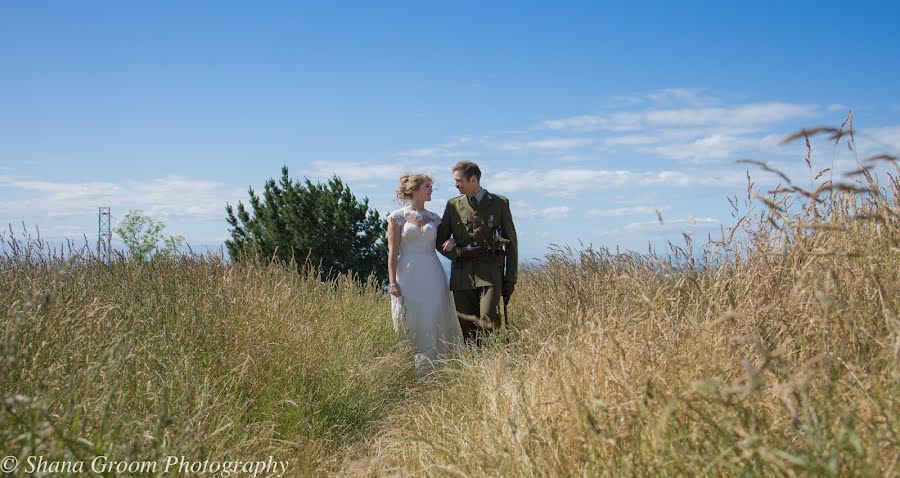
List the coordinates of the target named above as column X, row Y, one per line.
column 480, row 227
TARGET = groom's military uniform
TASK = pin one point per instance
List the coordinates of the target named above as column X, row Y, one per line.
column 477, row 276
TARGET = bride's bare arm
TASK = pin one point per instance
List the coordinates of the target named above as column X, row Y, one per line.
column 393, row 235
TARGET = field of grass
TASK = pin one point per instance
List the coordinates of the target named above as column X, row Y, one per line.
column 774, row 350
column 191, row 358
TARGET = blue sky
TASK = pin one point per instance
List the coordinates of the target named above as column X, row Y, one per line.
column 589, row 116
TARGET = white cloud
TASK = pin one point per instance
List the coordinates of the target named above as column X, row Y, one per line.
column 572, row 158
column 626, row 211
column 169, row 198
column 689, row 226
column 523, row 210
column 423, row 152
column 717, row 146
column 679, row 224
column 551, row 144
column 690, row 96
column 614, row 122
column 357, row 170
column 60, row 191
column 448, row 149
column 577, row 123
column 883, row 139
column 631, row 140
column 752, row 115
column 671, row 135
column 683, row 96
column 702, row 130
column 573, row 180
column 707, row 143
column 559, row 212
column 436, row 152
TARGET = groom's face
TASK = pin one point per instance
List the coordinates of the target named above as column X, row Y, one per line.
column 464, row 186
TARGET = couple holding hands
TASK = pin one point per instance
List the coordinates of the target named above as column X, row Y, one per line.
column 477, row 234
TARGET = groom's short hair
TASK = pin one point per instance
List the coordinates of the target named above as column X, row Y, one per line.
column 468, row 169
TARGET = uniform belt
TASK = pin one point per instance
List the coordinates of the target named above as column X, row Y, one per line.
column 472, row 255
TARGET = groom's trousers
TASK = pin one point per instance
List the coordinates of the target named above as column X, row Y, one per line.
column 480, row 302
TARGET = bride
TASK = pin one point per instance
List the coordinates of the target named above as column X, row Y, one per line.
column 421, row 303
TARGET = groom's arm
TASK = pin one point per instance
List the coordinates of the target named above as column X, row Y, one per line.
column 512, row 249
column 444, row 233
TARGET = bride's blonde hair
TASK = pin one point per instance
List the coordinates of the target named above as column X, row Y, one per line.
column 409, row 183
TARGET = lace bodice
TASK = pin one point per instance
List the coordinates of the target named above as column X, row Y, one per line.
column 418, row 229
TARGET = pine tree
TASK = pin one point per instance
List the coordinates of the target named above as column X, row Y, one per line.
column 320, row 224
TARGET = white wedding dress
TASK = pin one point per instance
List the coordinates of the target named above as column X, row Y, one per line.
column 425, row 312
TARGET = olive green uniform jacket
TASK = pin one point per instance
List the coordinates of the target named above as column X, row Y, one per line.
column 492, row 212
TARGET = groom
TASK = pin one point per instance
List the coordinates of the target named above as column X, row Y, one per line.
column 472, row 230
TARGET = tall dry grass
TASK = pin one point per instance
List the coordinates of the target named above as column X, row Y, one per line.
column 771, row 351
column 188, row 357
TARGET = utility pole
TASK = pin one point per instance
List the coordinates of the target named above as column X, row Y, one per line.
column 104, row 235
